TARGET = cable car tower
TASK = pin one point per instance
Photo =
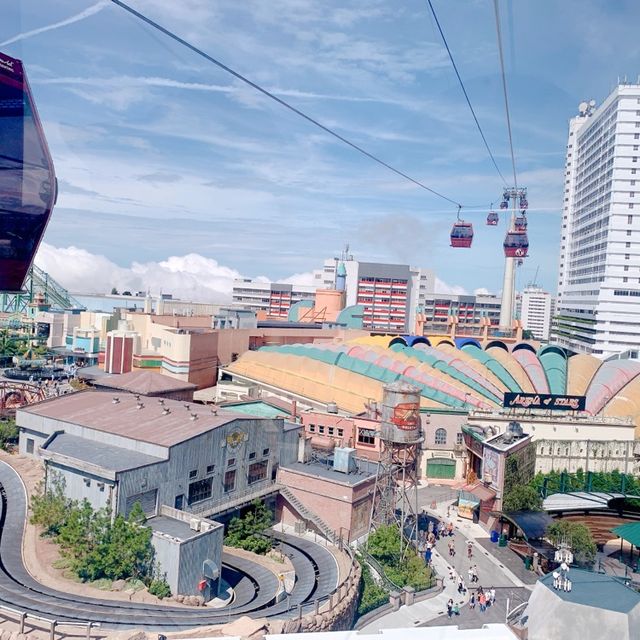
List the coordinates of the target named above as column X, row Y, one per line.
column 516, row 246
column 395, row 499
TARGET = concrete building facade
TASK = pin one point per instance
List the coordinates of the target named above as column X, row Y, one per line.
column 599, row 277
column 536, row 312
column 274, row 298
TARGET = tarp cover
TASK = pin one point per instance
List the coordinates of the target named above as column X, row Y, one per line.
column 629, row 532
column 532, row 523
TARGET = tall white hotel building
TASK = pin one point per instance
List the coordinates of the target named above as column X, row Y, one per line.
column 598, row 307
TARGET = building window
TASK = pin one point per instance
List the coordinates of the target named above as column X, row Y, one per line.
column 252, row 455
column 459, row 438
column 629, row 219
column 631, row 205
column 229, row 481
column 366, row 436
column 193, row 474
column 625, row 279
column 626, row 256
column 312, row 428
column 633, row 171
column 441, row 436
column 210, row 468
column 200, row 490
column 30, row 445
column 330, row 430
column 320, row 428
column 265, row 452
column 231, row 462
column 626, row 267
column 340, row 433
column 257, row 471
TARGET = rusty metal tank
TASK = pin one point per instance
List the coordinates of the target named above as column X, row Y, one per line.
column 400, row 413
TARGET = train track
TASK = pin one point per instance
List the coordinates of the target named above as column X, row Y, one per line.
column 315, row 567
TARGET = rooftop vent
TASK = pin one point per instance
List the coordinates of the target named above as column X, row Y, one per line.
column 140, row 405
column 115, row 400
column 214, row 410
column 166, row 411
column 160, row 401
column 187, row 407
column 137, row 397
column 194, row 416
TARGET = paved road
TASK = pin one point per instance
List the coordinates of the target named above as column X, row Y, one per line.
column 19, row 590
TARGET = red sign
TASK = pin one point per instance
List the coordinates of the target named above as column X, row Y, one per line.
column 406, row 415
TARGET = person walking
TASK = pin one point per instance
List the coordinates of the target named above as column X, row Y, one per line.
column 456, row 609
column 427, row 556
column 475, row 573
column 482, row 601
column 472, row 601
column 450, row 607
column 452, row 549
column 492, row 595
column 469, row 550
column 470, row 575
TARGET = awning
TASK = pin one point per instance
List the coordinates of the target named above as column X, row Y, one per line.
column 533, row 524
column 629, row 532
column 479, row 490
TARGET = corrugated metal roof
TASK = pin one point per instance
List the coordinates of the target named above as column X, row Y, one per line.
column 144, row 382
column 629, row 532
column 103, row 455
column 97, row 410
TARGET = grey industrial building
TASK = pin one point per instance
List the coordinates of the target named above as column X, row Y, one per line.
column 184, row 463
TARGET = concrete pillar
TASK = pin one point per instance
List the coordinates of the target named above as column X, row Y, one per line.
column 395, row 599
column 22, row 619
column 52, row 631
column 409, row 595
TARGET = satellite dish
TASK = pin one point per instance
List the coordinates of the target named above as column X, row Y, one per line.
column 582, row 107
column 592, row 103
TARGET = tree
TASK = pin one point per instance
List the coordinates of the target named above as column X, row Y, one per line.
column 8, row 433
column 578, row 536
column 50, row 509
column 114, row 291
column 246, row 532
column 522, row 498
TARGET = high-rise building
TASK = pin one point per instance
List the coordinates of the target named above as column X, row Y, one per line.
column 598, row 306
column 470, row 310
column 536, row 312
column 275, row 298
column 389, row 293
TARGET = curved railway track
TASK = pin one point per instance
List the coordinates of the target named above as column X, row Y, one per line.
column 315, row 568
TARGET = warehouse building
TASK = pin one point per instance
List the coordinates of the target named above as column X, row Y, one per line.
column 177, row 460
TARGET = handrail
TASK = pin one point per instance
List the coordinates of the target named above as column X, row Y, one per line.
column 25, row 615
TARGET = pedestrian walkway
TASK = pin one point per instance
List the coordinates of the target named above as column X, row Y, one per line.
column 491, row 573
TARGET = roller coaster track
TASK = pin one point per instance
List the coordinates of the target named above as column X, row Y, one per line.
column 315, row 568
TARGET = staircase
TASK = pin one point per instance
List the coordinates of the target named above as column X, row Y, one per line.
column 309, row 515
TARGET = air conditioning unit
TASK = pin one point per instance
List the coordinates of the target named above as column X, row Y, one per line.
column 194, row 524
column 205, row 526
column 300, row 527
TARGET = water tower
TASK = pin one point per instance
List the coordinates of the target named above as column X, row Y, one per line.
column 395, row 500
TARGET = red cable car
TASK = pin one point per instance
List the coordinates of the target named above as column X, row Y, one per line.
column 524, row 204
column 492, row 219
column 520, row 223
column 27, row 179
column 462, row 234
column 516, row 244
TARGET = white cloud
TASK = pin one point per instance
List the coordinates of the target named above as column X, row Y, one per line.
column 89, row 11
column 305, row 279
column 443, row 287
column 482, row 291
column 189, row 277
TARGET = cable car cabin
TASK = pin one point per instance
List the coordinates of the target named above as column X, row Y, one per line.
column 492, row 219
column 27, row 178
column 516, row 244
column 524, row 204
column 462, row 235
column 520, row 223
column 504, row 204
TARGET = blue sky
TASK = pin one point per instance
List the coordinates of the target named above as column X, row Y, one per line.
column 160, row 154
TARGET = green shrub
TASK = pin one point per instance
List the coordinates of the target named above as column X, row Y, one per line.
column 50, row 510
column 372, row 594
column 245, row 532
column 160, row 589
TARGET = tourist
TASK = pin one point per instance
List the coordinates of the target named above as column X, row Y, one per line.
column 482, row 601
column 450, row 607
column 472, row 601
column 469, row 549
column 452, row 549
column 470, row 574
column 456, row 609
column 427, row 556
column 492, row 593
column 450, row 529
column 475, row 573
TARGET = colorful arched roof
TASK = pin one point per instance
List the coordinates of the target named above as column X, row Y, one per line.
column 464, row 375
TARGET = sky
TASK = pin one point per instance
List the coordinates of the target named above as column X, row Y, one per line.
column 173, row 175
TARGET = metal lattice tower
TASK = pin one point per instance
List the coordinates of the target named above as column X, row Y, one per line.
column 395, row 500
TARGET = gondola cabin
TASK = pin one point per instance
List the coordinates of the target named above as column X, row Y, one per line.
column 524, row 203
column 27, row 178
column 520, row 223
column 462, row 235
column 516, row 244
column 504, row 204
column 492, row 219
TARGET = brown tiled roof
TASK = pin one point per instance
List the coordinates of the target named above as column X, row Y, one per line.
column 144, row 383
column 97, row 410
